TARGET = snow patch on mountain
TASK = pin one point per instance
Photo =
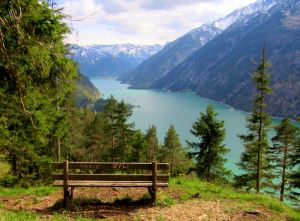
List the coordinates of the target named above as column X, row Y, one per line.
column 210, row 30
column 259, row 6
column 138, row 51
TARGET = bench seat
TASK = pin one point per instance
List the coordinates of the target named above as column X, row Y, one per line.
column 93, row 183
column 109, row 174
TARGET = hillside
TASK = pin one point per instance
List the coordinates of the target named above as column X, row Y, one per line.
column 185, row 199
column 86, row 93
column 171, row 55
column 177, row 51
column 222, row 69
column 110, row 60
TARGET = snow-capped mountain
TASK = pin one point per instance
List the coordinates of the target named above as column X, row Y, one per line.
column 177, row 51
column 110, row 60
column 221, row 70
column 240, row 14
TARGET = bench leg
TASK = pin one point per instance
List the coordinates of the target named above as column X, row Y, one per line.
column 71, row 190
column 152, row 193
column 68, row 196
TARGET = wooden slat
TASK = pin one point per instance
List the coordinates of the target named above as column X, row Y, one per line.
column 109, row 165
column 109, row 184
column 112, row 177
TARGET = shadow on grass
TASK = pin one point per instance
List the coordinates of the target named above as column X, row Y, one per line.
column 95, row 208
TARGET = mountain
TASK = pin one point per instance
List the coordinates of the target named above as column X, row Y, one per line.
column 86, row 94
column 172, row 54
column 110, row 60
column 177, row 51
column 222, row 69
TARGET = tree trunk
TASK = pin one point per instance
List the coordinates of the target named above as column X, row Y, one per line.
column 283, row 172
column 171, row 166
column 58, row 138
column 14, row 164
column 113, row 149
column 259, row 151
column 208, row 175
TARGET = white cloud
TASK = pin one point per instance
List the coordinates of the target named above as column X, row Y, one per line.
column 140, row 21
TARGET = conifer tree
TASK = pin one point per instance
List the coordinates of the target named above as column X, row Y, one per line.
column 173, row 153
column 110, row 112
column 281, row 151
column 295, row 176
column 171, row 147
column 254, row 163
column 151, row 143
column 209, row 150
column 124, row 112
column 138, row 144
column 35, row 78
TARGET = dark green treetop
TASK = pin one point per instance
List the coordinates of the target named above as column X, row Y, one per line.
column 281, row 154
column 151, row 143
column 209, row 151
column 254, row 163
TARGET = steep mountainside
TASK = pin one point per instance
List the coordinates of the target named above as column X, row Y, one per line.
column 177, row 51
column 110, row 60
column 172, row 54
column 86, row 93
column 222, row 69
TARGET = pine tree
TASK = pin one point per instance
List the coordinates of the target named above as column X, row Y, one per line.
column 124, row 112
column 254, row 162
column 281, row 151
column 139, row 147
column 295, row 176
column 209, row 151
column 171, row 147
column 36, row 77
column 110, row 112
column 173, row 153
column 151, row 143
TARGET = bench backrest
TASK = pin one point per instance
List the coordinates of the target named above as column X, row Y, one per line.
column 103, row 171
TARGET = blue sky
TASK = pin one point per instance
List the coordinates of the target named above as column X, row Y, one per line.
column 140, row 21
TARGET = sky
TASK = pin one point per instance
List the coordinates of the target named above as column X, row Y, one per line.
column 142, row 22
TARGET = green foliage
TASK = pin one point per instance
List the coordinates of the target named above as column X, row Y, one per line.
column 295, row 174
column 86, row 93
column 164, row 199
column 4, row 169
column 35, row 79
column 151, row 143
column 282, row 152
column 173, row 153
column 139, row 146
column 36, row 191
column 18, row 216
column 254, row 162
column 209, row 151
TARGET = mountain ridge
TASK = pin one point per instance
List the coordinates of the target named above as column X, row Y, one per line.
column 222, row 68
column 110, row 60
column 177, row 51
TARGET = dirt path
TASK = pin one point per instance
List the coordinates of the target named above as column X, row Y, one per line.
column 99, row 203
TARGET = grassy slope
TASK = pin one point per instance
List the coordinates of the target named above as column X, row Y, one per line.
column 211, row 192
column 186, row 188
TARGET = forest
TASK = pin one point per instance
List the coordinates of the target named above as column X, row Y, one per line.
column 41, row 120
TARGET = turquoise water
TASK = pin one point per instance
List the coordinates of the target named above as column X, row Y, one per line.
column 163, row 108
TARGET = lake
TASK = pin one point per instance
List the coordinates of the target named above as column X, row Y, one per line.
column 163, row 108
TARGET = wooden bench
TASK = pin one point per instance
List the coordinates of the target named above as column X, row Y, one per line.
column 100, row 174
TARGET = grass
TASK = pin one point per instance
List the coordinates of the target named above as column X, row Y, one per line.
column 207, row 191
column 188, row 189
column 36, row 191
